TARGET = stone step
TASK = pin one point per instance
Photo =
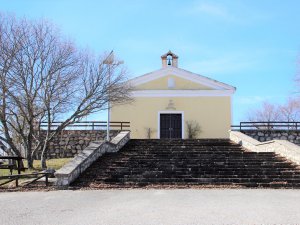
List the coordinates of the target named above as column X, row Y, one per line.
column 195, row 154
column 199, row 153
column 197, row 160
column 192, row 162
column 232, row 182
column 202, row 180
column 278, row 185
column 194, row 174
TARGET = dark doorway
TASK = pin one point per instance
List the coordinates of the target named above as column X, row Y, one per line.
column 170, row 125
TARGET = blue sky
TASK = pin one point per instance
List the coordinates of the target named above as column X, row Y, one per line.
column 252, row 45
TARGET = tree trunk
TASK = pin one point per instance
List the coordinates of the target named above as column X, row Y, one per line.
column 43, row 156
column 43, row 162
column 29, row 161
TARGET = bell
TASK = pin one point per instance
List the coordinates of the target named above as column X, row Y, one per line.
column 169, row 62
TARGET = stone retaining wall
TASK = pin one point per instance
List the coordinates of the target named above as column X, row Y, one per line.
column 71, row 142
column 69, row 172
column 265, row 135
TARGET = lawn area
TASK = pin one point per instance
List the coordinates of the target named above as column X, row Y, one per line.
column 51, row 163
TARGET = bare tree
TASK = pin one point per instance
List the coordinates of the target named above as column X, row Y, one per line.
column 290, row 112
column 43, row 77
column 266, row 113
column 2, row 149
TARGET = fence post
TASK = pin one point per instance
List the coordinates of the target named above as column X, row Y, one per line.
column 92, row 125
column 121, row 126
column 240, row 126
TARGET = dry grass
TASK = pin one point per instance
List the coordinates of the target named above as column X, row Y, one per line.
column 51, row 163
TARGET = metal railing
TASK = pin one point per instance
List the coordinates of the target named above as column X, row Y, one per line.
column 91, row 125
column 270, row 125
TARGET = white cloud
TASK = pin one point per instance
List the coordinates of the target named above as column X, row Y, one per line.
column 224, row 64
column 258, row 99
column 250, row 100
column 211, row 9
column 232, row 11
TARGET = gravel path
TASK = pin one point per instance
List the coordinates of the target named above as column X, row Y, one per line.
column 140, row 206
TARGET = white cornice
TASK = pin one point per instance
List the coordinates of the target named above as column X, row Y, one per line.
column 216, row 85
column 181, row 93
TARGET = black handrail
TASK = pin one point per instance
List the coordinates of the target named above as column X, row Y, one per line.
column 92, row 125
column 268, row 125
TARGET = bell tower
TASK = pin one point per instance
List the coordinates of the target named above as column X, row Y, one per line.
column 169, row 59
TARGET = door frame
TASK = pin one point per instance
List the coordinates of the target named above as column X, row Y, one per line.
column 170, row 112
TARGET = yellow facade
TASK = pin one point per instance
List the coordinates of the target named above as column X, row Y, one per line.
column 172, row 90
column 213, row 114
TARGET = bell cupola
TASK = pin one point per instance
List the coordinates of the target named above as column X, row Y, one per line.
column 169, row 59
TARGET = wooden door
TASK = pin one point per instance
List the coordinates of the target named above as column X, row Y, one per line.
column 170, row 126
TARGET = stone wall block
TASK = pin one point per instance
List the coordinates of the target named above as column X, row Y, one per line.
column 71, row 142
column 69, row 172
column 292, row 136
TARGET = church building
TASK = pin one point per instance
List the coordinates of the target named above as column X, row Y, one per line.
column 165, row 101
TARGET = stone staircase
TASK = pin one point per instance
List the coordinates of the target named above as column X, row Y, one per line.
column 189, row 162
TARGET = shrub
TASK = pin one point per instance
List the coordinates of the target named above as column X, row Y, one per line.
column 193, row 129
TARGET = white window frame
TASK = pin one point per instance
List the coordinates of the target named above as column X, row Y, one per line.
column 171, row 112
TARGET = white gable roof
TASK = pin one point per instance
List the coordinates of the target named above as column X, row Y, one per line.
column 170, row 70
